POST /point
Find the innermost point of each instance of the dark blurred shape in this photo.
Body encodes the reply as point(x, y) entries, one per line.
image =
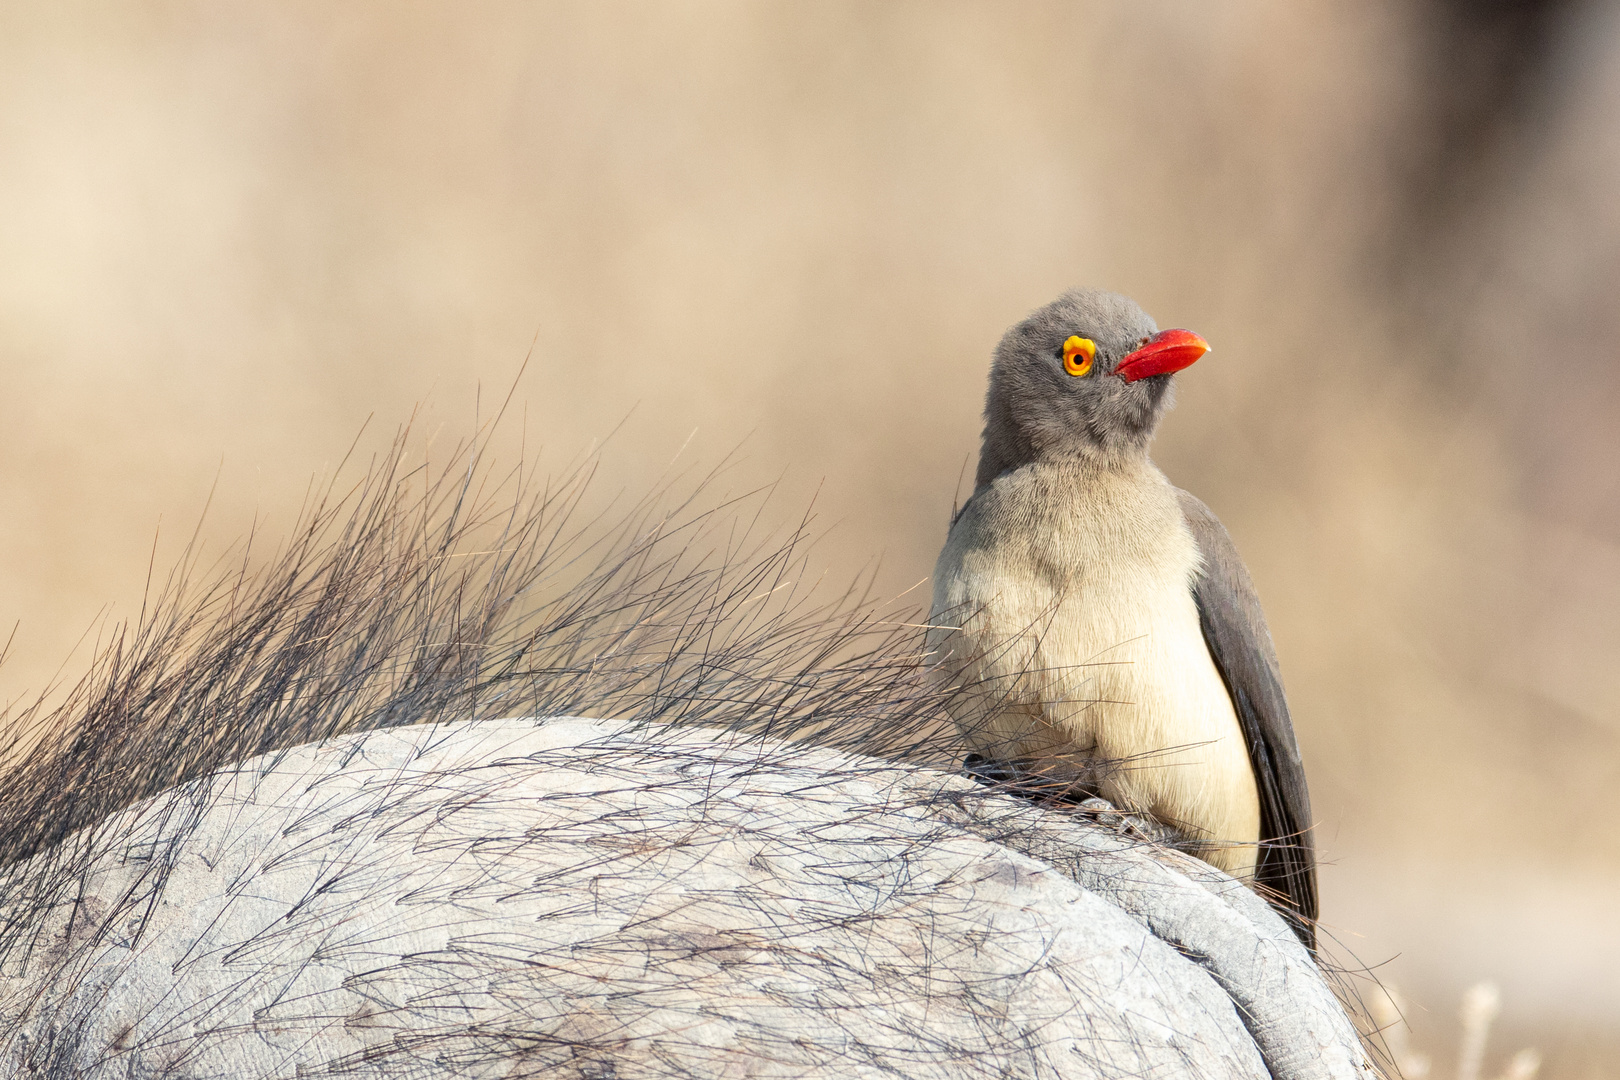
point(1489, 66)
point(1488, 139)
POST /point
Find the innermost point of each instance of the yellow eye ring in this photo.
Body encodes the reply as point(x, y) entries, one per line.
point(1078, 353)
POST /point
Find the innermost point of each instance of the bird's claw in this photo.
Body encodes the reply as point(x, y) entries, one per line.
point(1138, 826)
point(1018, 780)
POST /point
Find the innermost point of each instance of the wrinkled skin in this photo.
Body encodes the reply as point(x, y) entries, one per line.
point(579, 899)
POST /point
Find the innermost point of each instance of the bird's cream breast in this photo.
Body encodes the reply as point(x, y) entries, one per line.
point(1063, 603)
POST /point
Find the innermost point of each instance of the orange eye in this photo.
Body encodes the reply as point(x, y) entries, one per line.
point(1078, 352)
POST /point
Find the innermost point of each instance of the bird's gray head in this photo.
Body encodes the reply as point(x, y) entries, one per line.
point(1085, 377)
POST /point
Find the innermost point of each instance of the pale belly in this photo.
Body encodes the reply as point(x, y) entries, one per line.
point(1091, 663)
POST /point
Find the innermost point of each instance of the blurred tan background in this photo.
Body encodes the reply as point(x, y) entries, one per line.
point(230, 232)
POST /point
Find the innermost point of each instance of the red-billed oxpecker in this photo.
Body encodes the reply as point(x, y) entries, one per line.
point(1104, 635)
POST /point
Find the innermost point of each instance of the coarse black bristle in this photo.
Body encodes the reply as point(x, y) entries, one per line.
point(455, 592)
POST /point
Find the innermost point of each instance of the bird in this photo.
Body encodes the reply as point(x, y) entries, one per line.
point(1099, 632)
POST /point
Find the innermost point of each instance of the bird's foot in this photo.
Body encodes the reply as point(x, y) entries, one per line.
point(1138, 826)
point(1073, 796)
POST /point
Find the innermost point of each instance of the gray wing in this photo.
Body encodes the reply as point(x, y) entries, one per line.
point(1235, 631)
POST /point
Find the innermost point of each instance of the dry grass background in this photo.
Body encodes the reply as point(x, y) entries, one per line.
point(230, 232)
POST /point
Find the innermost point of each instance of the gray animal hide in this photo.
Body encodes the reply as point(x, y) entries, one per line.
point(576, 898)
